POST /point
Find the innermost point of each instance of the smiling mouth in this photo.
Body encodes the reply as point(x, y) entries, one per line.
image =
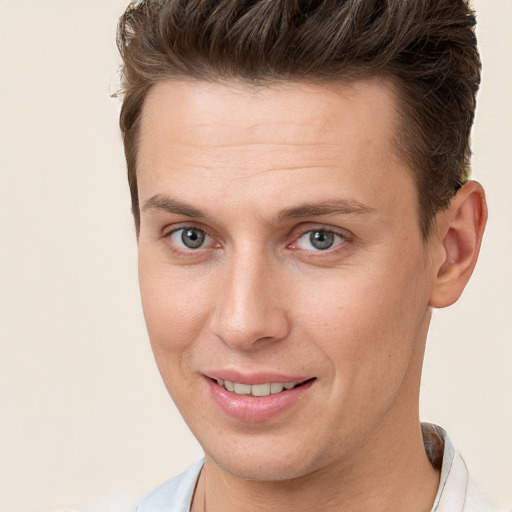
point(269, 388)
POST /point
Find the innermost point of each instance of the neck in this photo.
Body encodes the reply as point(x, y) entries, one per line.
point(392, 473)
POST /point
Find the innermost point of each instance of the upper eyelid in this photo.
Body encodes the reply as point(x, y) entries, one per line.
point(304, 229)
point(322, 231)
point(341, 242)
point(168, 230)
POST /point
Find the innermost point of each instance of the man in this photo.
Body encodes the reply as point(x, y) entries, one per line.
point(298, 173)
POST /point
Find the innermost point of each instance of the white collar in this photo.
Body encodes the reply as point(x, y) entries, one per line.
point(453, 483)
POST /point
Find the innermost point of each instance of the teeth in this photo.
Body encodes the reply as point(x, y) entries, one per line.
point(242, 389)
point(276, 387)
point(256, 389)
point(260, 389)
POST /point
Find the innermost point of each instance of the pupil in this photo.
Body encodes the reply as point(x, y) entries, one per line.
point(192, 238)
point(321, 239)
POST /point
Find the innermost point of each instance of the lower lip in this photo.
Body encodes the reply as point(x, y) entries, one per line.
point(256, 409)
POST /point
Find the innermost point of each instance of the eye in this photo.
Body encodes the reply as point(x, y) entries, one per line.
point(319, 240)
point(189, 238)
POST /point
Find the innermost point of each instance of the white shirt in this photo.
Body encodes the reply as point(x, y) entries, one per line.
point(456, 491)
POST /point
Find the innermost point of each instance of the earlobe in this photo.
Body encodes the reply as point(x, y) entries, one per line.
point(461, 231)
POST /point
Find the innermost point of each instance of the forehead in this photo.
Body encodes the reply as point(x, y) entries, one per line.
point(281, 143)
point(292, 113)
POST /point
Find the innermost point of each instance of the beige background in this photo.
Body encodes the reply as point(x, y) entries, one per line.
point(85, 423)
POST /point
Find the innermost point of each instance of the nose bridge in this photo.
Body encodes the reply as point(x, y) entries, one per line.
point(248, 310)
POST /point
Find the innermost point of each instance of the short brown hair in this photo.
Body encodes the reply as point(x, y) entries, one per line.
point(425, 48)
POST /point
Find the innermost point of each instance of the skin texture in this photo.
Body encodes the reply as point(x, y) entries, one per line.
point(249, 168)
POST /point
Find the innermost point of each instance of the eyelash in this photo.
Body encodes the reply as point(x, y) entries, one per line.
point(344, 237)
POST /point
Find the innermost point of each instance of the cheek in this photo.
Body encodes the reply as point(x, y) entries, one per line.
point(174, 309)
point(367, 323)
point(174, 318)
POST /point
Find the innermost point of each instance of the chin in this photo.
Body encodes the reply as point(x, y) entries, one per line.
point(274, 472)
point(265, 465)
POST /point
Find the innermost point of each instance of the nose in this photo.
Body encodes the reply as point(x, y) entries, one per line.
point(250, 307)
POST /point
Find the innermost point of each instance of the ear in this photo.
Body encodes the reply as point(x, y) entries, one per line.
point(459, 232)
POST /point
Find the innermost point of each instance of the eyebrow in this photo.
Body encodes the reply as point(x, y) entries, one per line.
point(170, 205)
point(329, 207)
point(323, 208)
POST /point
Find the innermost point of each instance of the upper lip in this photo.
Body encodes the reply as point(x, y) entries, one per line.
point(255, 377)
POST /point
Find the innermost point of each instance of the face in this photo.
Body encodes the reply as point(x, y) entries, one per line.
point(280, 244)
